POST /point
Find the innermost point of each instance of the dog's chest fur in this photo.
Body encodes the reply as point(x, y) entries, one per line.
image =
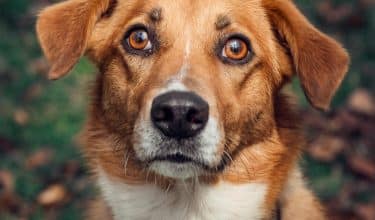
point(222, 201)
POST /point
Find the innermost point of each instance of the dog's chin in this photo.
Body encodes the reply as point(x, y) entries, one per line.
point(178, 158)
point(176, 170)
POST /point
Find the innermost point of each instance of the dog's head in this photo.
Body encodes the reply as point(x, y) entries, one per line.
point(188, 85)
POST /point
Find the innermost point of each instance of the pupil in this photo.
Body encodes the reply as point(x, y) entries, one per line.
point(235, 46)
point(140, 36)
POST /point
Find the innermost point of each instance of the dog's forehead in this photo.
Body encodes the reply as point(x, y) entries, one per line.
point(196, 19)
point(196, 13)
point(207, 10)
point(189, 24)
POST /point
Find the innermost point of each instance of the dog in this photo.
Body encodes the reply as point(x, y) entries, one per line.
point(188, 118)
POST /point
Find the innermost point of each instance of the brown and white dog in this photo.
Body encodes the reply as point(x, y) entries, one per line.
point(187, 118)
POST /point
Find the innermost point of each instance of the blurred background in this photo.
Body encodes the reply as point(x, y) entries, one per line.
point(42, 175)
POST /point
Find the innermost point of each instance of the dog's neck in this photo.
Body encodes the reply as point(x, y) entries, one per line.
point(184, 201)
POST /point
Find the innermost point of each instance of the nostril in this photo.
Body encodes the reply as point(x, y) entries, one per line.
point(191, 116)
point(163, 114)
point(194, 116)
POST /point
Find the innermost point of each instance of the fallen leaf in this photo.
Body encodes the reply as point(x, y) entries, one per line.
point(362, 166)
point(39, 158)
point(21, 117)
point(326, 148)
point(53, 195)
point(361, 101)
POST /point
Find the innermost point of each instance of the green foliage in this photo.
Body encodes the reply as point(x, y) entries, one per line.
point(54, 110)
point(325, 179)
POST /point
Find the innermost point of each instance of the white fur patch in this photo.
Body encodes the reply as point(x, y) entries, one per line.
point(174, 170)
point(150, 142)
point(173, 85)
point(191, 201)
point(185, 66)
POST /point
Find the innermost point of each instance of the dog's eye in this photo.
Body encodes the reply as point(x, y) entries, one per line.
point(139, 40)
point(235, 50)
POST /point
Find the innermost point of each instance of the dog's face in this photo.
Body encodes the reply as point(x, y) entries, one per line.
point(187, 86)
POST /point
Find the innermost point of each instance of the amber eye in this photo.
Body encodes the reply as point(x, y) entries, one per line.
point(235, 49)
point(139, 40)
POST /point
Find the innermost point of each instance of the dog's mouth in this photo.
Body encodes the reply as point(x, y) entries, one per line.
point(182, 159)
point(177, 165)
point(178, 158)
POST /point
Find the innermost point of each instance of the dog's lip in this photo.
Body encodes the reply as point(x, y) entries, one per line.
point(174, 158)
point(180, 158)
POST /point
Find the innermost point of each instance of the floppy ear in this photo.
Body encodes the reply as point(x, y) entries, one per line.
point(319, 61)
point(64, 30)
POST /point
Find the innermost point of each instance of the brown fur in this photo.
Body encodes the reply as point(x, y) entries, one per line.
point(259, 123)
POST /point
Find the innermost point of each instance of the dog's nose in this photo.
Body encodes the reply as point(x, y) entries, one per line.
point(179, 114)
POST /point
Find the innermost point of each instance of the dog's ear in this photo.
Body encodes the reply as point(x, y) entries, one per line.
point(64, 30)
point(319, 61)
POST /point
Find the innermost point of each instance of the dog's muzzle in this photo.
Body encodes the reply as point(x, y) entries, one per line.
point(178, 138)
point(179, 115)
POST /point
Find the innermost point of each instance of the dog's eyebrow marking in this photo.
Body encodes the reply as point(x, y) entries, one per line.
point(155, 15)
point(110, 10)
point(222, 22)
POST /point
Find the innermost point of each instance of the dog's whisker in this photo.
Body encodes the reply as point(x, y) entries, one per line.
point(247, 165)
point(228, 155)
point(126, 163)
point(168, 188)
point(185, 185)
point(147, 175)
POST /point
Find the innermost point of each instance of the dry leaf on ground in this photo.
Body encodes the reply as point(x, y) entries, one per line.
point(53, 195)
